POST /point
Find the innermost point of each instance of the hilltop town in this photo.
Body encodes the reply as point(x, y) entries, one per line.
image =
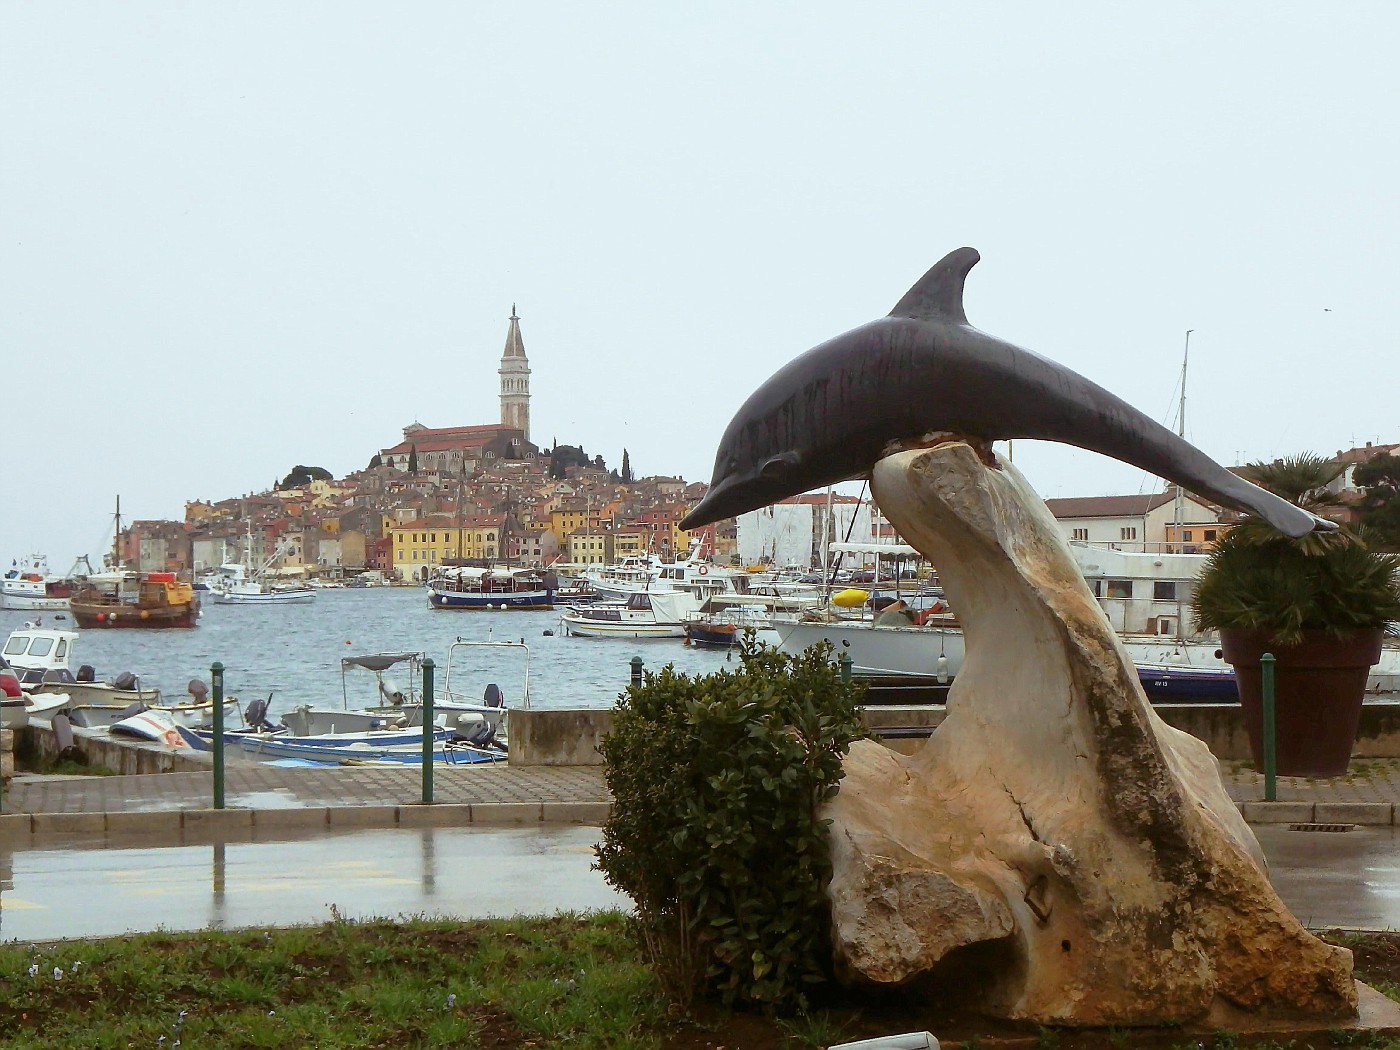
point(469, 493)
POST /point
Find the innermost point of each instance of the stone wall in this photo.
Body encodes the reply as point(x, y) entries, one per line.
point(567, 738)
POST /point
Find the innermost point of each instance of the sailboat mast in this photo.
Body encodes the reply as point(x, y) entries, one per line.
point(117, 538)
point(1181, 432)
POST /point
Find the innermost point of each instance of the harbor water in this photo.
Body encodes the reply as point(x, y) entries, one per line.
point(293, 652)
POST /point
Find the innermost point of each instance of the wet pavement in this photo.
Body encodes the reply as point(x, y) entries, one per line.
point(503, 840)
point(63, 886)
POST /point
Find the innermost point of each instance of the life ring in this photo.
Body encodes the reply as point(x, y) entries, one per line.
point(173, 738)
point(704, 570)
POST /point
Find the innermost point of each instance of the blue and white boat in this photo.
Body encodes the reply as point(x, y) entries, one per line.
point(396, 746)
point(474, 588)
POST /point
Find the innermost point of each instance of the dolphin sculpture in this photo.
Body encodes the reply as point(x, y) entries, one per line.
point(832, 413)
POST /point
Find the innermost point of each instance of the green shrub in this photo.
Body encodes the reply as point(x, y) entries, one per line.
point(714, 831)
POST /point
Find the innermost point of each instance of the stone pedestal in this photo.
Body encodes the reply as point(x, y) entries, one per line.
point(1054, 843)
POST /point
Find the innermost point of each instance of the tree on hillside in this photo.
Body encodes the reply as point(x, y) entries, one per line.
point(1379, 481)
point(627, 478)
point(566, 456)
point(413, 458)
point(374, 461)
point(304, 475)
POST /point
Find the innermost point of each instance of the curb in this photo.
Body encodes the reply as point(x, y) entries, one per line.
point(1370, 814)
point(235, 820)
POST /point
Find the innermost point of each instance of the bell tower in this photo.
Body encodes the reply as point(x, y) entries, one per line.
point(515, 380)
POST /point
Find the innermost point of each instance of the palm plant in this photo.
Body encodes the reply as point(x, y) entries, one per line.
point(1259, 579)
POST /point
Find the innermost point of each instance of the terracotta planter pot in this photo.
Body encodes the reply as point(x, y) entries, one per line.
point(1319, 685)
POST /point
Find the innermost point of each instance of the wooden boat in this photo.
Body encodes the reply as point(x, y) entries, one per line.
point(149, 600)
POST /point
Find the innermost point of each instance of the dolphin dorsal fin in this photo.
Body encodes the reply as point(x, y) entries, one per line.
point(938, 294)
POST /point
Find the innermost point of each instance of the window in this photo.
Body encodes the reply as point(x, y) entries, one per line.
point(1081, 534)
point(1186, 535)
point(1119, 588)
point(1209, 535)
point(1127, 534)
point(1164, 590)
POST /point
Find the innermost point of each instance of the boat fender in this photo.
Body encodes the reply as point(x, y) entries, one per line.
point(548, 633)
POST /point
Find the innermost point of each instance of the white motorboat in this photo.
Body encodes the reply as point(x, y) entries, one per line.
point(934, 650)
point(645, 614)
point(32, 586)
point(42, 658)
point(35, 651)
point(44, 706)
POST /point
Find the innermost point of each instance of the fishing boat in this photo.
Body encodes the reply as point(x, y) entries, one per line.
point(474, 588)
point(141, 600)
point(234, 585)
point(244, 583)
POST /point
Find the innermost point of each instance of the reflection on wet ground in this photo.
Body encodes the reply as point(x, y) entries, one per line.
point(61, 887)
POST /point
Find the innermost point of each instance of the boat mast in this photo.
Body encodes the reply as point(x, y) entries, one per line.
point(117, 537)
point(1181, 432)
point(1180, 492)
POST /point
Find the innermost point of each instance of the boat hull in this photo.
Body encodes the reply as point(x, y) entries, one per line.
point(466, 600)
point(637, 629)
point(711, 636)
point(103, 615)
point(297, 597)
point(882, 650)
point(31, 602)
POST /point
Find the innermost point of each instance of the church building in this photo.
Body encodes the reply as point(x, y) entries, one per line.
point(460, 450)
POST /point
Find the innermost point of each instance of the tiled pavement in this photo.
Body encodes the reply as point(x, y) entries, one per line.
point(271, 787)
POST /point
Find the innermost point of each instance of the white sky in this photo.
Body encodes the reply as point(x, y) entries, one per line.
point(235, 237)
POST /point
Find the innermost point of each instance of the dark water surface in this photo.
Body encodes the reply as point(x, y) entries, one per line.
point(294, 651)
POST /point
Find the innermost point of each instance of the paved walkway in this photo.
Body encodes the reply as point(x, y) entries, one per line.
point(270, 787)
point(1373, 782)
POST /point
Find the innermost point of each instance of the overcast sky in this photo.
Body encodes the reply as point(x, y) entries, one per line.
point(242, 236)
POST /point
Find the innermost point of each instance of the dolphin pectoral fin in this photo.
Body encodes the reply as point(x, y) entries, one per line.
point(938, 294)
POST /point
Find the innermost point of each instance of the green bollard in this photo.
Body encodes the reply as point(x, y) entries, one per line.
point(636, 670)
point(1266, 669)
point(846, 663)
point(428, 666)
point(216, 679)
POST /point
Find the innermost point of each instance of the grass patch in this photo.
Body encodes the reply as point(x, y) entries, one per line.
point(566, 981)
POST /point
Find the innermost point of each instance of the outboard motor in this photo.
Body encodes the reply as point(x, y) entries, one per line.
point(481, 735)
point(198, 690)
point(125, 680)
point(255, 715)
point(493, 697)
point(86, 673)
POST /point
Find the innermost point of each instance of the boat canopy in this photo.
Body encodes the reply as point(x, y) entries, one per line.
point(379, 661)
point(899, 549)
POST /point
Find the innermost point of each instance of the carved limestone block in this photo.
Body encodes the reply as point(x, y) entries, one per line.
point(1053, 819)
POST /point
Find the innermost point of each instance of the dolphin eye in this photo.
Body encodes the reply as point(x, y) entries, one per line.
point(775, 468)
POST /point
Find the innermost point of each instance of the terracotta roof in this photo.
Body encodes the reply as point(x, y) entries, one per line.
point(1361, 455)
point(1108, 506)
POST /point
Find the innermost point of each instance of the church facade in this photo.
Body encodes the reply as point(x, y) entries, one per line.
point(460, 450)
